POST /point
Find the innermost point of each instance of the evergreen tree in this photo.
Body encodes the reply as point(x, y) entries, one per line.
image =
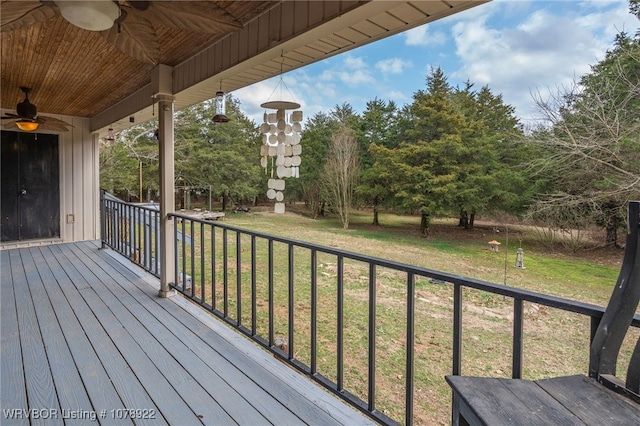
point(225, 156)
point(378, 125)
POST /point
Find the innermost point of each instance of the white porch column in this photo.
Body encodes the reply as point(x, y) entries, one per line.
point(167, 195)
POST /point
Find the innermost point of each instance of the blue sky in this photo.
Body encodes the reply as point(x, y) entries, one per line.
point(516, 47)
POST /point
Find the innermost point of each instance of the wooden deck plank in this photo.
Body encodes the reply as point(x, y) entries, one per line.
point(245, 394)
point(13, 395)
point(200, 402)
point(304, 398)
point(73, 399)
point(97, 384)
point(287, 386)
point(131, 392)
point(167, 399)
point(41, 393)
point(109, 342)
point(222, 389)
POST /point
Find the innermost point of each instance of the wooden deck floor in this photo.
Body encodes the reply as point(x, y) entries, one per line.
point(84, 336)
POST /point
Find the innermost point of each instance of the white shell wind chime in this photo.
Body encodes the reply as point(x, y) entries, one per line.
point(281, 149)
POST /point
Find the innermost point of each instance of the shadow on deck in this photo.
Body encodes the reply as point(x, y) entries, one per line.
point(84, 335)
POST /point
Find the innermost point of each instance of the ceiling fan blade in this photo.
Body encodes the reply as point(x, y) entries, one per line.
point(140, 5)
point(51, 121)
point(20, 14)
point(197, 16)
point(10, 126)
point(53, 127)
point(10, 116)
point(137, 38)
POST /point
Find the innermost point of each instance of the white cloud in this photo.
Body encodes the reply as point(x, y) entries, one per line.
point(392, 65)
point(423, 36)
point(354, 63)
point(543, 51)
point(353, 71)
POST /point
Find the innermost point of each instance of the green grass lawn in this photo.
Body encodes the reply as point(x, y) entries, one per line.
point(450, 249)
point(555, 342)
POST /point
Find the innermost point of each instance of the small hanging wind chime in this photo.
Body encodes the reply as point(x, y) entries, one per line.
point(281, 149)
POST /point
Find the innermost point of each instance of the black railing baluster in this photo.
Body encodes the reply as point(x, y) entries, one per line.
point(184, 255)
point(118, 240)
point(192, 244)
point(141, 244)
point(176, 252)
point(225, 278)
point(107, 238)
point(291, 301)
point(213, 268)
point(146, 237)
point(202, 267)
point(411, 315)
point(123, 230)
point(103, 220)
point(372, 337)
point(270, 285)
point(156, 239)
point(113, 216)
point(254, 289)
point(238, 278)
point(314, 313)
point(516, 369)
point(340, 324)
point(131, 218)
point(457, 328)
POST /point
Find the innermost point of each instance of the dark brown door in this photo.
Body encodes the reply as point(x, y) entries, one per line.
point(30, 188)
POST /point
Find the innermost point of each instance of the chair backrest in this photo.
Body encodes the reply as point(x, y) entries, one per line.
point(617, 318)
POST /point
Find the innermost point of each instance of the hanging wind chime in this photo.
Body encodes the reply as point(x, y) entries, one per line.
point(281, 149)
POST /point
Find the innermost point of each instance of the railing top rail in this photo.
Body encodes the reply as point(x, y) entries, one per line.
point(137, 206)
point(502, 290)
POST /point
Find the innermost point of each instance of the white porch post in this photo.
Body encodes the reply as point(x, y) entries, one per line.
point(167, 195)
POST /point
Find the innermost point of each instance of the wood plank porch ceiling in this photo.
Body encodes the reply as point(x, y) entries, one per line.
point(75, 72)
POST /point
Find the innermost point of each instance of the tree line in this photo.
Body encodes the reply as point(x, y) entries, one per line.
point(453, 151)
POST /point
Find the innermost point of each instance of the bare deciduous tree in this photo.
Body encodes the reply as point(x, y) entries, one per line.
point(591, 143)
point(341, 173)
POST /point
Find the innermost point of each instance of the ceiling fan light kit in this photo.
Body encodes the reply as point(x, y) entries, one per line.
point(27, 125)
point(96, 15)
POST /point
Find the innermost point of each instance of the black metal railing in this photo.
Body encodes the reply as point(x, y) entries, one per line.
point(132, 230)
point(311, 305)
point(213, 272)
